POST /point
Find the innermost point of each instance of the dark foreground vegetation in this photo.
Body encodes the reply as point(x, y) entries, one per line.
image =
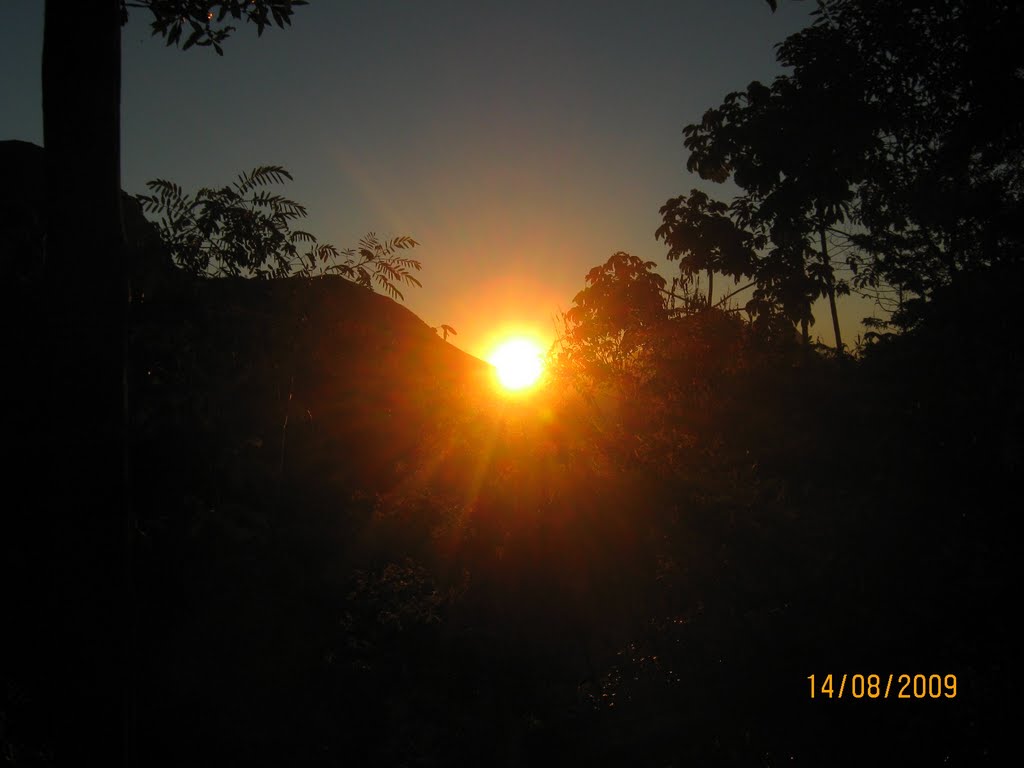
point(350, 549)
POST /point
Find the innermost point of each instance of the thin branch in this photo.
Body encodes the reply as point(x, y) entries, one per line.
point(738, 290)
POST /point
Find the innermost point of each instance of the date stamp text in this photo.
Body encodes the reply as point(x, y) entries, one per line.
point(891, 686)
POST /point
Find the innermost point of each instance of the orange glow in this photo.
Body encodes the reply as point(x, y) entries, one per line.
point(519, 363)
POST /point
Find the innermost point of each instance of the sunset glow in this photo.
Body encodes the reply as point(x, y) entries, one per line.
point(518, 363)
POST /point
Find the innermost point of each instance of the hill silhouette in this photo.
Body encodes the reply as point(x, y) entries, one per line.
point(355, 364)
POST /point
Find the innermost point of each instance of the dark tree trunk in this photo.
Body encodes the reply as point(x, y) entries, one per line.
point(77, 376)
point(711, 287)
point(830, 289)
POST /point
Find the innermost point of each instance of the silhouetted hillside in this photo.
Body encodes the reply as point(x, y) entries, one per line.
point(325, 354)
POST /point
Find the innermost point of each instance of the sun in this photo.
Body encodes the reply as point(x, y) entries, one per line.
point(518, 362)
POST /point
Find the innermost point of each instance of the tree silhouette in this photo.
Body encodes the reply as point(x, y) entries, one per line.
point(699, 232)
point(610, 329)
point(938, 155)
point(799, 182)
point(78, 526)
point(244, 230)
point(446, 330)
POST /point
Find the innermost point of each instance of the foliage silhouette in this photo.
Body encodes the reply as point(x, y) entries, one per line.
point(246, 231)
point(799, 183)
point(171, 16)
point(701, 236)
point(938, 158)
point(609, 330)
point(446, 330)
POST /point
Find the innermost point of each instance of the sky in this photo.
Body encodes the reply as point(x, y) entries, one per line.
point(520, 143)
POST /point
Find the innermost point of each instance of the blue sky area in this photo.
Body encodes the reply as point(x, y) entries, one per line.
point(520, 143)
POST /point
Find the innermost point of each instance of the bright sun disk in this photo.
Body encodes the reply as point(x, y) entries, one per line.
point(518, 363)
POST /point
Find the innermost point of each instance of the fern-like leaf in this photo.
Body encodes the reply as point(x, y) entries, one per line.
point(261, 176)
point(389, 287)
point(407, 263)
point(402, 242)
point(390, 272)
point(327, 251)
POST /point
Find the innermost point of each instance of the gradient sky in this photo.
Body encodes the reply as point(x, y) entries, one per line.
point(520, 143)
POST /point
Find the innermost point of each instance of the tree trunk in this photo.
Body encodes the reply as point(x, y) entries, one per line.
point(830, 289)
point(78, 380)
point(711, 287)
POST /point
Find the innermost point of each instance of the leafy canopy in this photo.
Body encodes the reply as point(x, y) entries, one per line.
point(205, 18)
point(700, 234)
point(939, 153)
point(608, 331)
